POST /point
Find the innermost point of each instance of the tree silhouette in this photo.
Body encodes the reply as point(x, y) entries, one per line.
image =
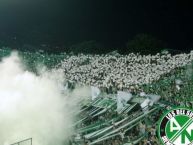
point(87, 47)
point(145, 44)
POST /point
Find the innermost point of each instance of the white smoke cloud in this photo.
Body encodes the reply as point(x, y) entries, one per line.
point(33, 106)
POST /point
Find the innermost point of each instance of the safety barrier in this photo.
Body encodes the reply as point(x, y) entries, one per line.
point(24, 142)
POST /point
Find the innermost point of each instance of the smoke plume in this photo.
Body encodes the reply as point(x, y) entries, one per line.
point(33, 106)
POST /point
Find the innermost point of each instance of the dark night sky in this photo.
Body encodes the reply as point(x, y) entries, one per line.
point(111, 22)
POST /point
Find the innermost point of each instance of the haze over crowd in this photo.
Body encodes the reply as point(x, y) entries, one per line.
point(33, 106)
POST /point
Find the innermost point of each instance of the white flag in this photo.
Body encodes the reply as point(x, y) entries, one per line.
point(153, 98)
point(145, 103)
point(95, 91)
point(122, 99)
point(149, 101)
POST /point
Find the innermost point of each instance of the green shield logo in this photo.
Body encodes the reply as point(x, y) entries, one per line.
point(176, 127)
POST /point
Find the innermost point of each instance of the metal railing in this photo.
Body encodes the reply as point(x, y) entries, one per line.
point(24, 142)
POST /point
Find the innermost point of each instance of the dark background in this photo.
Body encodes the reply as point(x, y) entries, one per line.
point(59, 24)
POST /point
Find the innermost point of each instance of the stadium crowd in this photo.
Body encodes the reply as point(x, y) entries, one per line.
point(121, 71)
point(163, 74)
